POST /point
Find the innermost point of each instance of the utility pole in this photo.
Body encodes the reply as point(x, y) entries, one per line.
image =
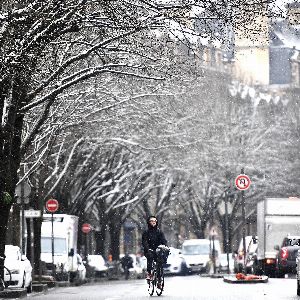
point(227, 229)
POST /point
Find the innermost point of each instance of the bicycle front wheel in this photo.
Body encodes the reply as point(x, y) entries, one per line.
point(160, 283)
point(151, 287)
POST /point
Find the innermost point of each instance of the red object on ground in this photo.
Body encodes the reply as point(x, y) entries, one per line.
point(241, 276)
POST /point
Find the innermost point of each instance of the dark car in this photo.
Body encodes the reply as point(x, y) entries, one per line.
point(287, 253)
point(298, 272)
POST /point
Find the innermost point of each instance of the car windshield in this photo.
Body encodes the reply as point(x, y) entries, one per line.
point(96, 259)
point(60, 245)
point(195, 249)
point(293, 242)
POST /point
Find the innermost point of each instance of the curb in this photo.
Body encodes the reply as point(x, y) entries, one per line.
point(232, 279)
point(14, 293)
point(62, 283)
point(39, 287)
point(50, 284)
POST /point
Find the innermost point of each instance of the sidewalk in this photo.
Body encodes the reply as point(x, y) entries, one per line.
point(13, 293)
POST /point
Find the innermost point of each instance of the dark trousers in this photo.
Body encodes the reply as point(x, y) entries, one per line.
point(150, 257)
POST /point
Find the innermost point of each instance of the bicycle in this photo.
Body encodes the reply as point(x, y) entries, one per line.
point(157, 276)
point(157, 281)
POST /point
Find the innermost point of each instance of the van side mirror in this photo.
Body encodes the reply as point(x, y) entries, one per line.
point(276, 247)
point(71, 253)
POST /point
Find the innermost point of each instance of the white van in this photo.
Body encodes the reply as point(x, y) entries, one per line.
point(197, 253)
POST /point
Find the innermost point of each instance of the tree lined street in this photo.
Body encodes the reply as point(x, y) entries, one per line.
point(119, 110)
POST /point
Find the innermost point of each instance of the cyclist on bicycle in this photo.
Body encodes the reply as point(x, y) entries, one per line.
point(151, 239)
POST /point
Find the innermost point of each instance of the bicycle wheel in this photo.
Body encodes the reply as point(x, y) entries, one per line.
point(151, 283)
point(161, 280)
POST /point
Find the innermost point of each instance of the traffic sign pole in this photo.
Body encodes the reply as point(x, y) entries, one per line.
point(243, 182)
point(52, 244)
point(86, 228)
point(52, 207)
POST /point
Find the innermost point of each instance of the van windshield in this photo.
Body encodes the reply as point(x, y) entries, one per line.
point(196, 249)
point(60, 245)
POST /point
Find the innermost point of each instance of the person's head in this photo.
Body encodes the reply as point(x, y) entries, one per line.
point(152, 222)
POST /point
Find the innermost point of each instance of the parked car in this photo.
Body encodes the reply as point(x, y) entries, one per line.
point(176, 263)
point(197, 253)
point(20, 269)
point(298, 272)
point(287, 253)
point(99, 265)
point(223, 263)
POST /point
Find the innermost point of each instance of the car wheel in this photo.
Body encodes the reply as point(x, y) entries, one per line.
point(183, 269)
point(279, 274)
point(29, 288)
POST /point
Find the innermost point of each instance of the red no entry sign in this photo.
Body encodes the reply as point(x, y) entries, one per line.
point(86, 228)
point(52, 205)
point(242, 182)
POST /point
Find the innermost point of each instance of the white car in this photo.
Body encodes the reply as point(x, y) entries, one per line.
point(98, 263)
point(20, 269)
point(176, 263)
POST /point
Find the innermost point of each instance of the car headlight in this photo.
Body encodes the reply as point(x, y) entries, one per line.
point(14, 271)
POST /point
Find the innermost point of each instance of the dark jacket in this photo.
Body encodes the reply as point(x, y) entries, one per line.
point(152, 238)
point(127, 261)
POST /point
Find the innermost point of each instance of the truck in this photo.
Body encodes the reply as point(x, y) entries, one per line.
point(276, 219)
point(65, 233)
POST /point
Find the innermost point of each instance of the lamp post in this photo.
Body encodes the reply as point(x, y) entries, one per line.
point(225, 208)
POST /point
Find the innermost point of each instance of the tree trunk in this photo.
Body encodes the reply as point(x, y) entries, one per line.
point(100, 240)
point(114, 232)
point(4, 213)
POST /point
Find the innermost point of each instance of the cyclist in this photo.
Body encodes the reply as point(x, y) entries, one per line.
point(151, 239)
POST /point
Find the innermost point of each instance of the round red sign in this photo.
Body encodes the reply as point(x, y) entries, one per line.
point(242, 182)
point(52, 205)
point(86, 228)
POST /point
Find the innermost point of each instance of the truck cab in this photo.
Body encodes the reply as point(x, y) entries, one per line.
point(65, 235)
